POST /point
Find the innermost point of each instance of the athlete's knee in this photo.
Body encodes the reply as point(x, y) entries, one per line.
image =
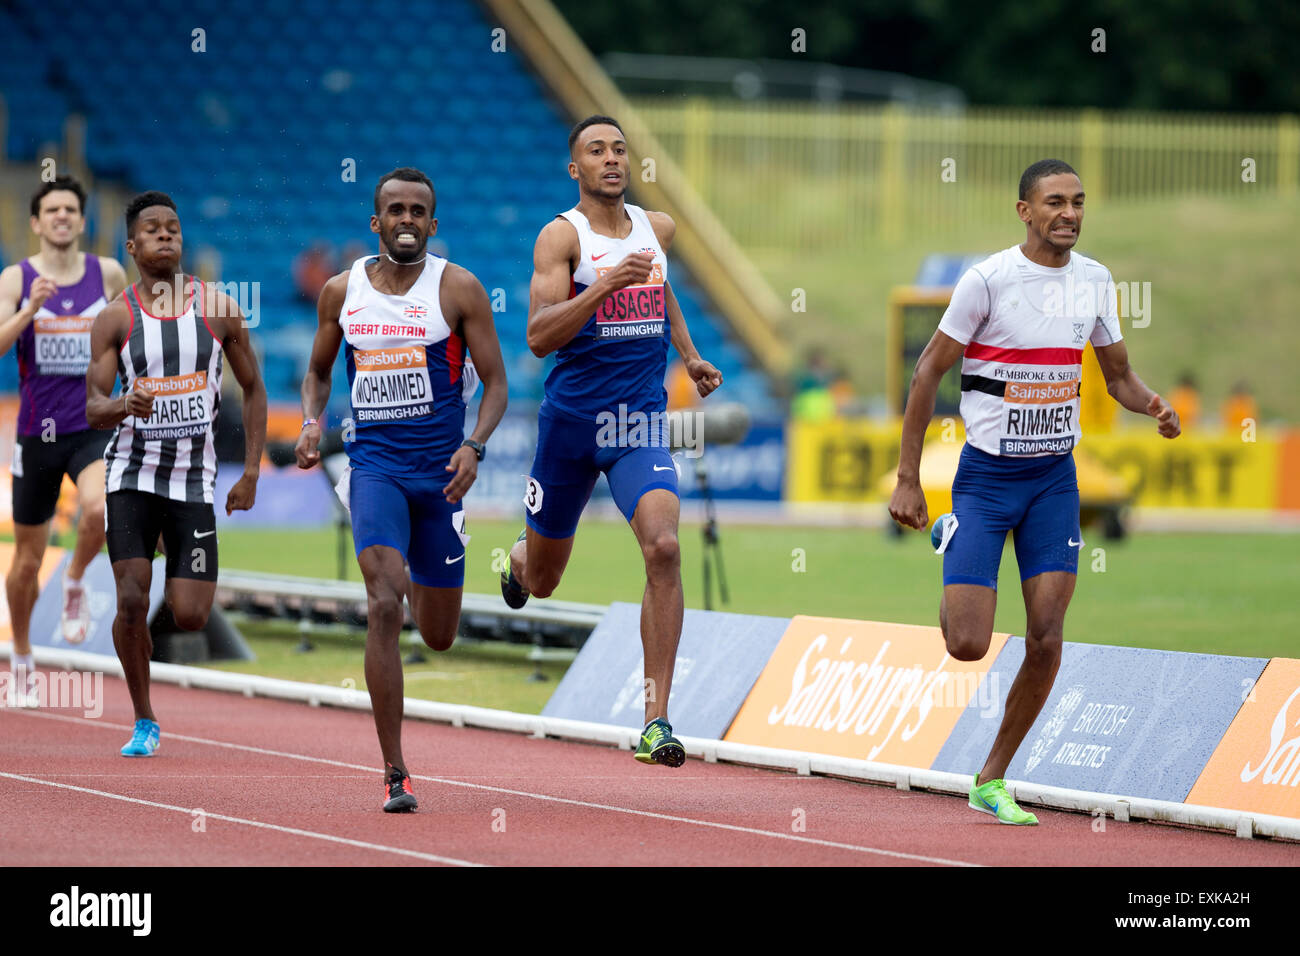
point(190, 618)
point(966, 645)
point(542, 581)
point(24, 567)
point(132, 601)
point(1044, 646)
point(662, 552)
point(385, 612)
point(439, 638)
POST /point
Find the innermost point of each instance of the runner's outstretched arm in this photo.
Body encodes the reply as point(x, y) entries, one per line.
point(907, 505)
point(1131, 392)
point(320, 367)
point(238, 346)
point(480, 335)
point(706, 377)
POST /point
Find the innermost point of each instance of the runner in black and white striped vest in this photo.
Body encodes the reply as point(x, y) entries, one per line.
point(165, 339)
point(178, 359)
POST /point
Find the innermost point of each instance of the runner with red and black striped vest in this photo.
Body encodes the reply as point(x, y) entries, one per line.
point(1019, 321)
point(165, 338)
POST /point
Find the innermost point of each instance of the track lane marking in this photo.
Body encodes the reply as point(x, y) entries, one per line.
point(735, 828)
point(189, 812)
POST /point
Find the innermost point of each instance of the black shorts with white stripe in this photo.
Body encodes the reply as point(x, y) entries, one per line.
point(135, 519)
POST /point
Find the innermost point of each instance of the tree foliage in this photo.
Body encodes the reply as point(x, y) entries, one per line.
point(1212, 55)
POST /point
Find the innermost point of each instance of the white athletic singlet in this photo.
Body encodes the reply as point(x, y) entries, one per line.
point(405, 369)
point(1025, 327)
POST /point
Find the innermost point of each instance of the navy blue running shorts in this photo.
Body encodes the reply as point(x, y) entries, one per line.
point(571, 454)
point(1037, 499)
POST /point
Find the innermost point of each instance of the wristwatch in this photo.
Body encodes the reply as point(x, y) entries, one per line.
point(479, 448)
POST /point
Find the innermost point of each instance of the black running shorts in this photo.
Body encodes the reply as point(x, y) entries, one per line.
point(39, 467)
point(135, 519)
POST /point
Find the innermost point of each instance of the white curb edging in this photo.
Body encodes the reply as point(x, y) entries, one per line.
point(1116, 806)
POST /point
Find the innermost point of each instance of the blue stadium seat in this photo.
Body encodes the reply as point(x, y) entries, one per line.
point(252, 144)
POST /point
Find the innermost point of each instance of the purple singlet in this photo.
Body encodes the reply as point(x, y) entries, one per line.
point(54, 352)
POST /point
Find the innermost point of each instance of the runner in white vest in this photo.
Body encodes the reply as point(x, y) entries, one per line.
point(1019, 322)
point(405, 320)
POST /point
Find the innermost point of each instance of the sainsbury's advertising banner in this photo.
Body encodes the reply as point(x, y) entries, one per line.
point(883, 692)
point(1257, 766)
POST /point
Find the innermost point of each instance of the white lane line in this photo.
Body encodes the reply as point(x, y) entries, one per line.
point(752, 831)
point(189, 812)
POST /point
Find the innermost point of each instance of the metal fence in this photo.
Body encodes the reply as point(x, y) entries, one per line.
point(813, 175)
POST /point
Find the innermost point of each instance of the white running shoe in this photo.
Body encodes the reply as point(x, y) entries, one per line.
point(76, 614)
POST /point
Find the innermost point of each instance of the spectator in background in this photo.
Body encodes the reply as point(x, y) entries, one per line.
point(1186, 400)
point(312, 268)
point(843, 394)
point(1239, 406)
point(813, 400)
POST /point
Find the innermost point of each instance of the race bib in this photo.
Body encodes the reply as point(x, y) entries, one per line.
point(62, 344)
point(180, 407)
point(1039, 417)
point(391, 384)
point(634, 312)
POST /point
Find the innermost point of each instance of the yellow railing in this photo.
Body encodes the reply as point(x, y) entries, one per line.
point(805, 175)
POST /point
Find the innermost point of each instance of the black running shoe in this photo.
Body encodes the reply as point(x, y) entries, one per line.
point(398, 797)
point(515, 594)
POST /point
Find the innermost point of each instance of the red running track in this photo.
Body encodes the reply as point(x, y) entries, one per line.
point(281, 783)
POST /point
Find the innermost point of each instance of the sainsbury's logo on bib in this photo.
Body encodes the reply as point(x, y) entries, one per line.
point(391, 384)
point(180, 406)
point(62, 344)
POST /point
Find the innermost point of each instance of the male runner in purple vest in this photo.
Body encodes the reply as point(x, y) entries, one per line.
point(47, 305)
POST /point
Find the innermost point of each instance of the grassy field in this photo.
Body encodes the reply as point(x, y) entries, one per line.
point(1222, 276)
point(1210, 593)
point(485, 674)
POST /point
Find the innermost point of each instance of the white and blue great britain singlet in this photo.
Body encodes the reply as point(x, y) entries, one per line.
point(620, 355)
point(178, 359)
point(404, 374)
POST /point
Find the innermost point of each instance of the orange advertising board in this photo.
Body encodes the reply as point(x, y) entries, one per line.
point(1256, 766)
point(883, 692)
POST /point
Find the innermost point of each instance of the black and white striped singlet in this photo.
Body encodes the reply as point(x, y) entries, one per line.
point(178, 359)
